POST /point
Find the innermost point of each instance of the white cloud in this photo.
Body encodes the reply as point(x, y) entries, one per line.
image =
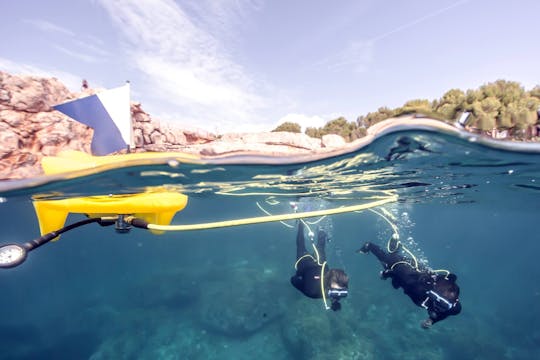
point(222, 18)
point(82, 46)
point(71, 81)
point(303, 120)
point(92, 45)
point(418, 20)
point(357, 56)
point(78, 55)
point(185, 63)
point(49, 27)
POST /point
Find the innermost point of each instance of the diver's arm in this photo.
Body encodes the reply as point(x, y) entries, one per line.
point(435, 317)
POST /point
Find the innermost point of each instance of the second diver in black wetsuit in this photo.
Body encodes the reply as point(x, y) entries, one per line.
point(405, 145)
point(313, 277)
point(437, 293)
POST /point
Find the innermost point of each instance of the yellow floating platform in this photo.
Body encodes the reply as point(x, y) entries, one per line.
point(71, 160)
point(154, 206)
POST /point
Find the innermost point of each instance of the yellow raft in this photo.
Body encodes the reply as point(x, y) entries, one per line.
point(71, 160)
point(156, 206)
point(153, 207)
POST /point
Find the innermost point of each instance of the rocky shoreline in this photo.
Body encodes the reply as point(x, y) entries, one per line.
point(31, 129)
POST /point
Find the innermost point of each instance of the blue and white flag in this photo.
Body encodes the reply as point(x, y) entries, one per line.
point(109, 114)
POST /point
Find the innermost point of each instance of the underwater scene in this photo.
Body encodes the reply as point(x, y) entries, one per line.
point(224, 291)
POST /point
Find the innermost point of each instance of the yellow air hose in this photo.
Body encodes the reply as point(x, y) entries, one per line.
point(261, 219)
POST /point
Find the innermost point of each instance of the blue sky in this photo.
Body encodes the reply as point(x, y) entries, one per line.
point(247, 65)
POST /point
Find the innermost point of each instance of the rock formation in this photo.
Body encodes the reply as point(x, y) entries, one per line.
point(30, 129)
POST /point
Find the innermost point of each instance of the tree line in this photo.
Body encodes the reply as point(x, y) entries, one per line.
point(494, 107)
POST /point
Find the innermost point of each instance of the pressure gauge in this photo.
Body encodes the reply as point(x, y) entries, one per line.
point(12, 255)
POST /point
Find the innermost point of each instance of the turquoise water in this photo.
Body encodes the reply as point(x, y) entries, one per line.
point(225, 293)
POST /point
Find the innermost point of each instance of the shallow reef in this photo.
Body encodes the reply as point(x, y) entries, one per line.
point(240, 302)
point(243, 312)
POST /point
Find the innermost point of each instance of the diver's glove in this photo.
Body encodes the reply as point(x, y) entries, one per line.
point(426, 324)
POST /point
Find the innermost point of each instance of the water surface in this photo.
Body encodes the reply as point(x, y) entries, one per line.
point(462, 205)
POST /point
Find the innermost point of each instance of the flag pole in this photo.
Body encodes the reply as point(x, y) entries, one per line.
point(130, 119)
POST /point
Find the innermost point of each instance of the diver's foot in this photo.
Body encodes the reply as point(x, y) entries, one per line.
point(364, 249)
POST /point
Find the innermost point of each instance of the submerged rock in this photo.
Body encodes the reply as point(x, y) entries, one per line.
point(310, 332)
point(223, 323)
point(167, 340)
point(163, 291)
point(241, 302)
point(179, 339)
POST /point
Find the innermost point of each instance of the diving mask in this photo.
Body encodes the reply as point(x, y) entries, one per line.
point(336, 294)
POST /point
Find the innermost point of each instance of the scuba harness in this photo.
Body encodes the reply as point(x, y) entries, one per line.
point(440, 304)
point(334, 294)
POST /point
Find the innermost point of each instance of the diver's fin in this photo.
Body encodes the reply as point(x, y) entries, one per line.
point(364, 249)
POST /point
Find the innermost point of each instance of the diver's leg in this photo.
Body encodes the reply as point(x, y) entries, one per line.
point(300, 244)
point(385, 258)
point(321, 245)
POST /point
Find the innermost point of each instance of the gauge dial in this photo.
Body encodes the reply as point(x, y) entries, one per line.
point(12, 255)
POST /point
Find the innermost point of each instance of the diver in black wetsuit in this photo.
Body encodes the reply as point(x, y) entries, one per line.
point(405, 145)
point(310, 268)
point(437, 293)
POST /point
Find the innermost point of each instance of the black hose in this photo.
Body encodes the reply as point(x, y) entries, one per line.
point(139, 223)
point(31, 245)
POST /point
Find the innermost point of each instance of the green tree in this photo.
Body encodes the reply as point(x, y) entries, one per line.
point(507, 116)
point(381, 114)
point(313, 132)
point(519, 114)
point(526, 112)
point(506, 91)
point(288, 126)
point(452, 102)
point(480, 119)
point(471, 96)
point(340, 126)
point(358, 133)
point(498, 105)
point(484, 121)
point(535, 92)
point(491, 106)
point(361, 121)
point(416, 106)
